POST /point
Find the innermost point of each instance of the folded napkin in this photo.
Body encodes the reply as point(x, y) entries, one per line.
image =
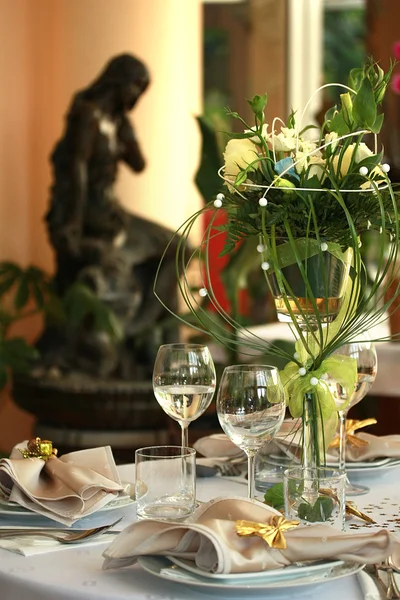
point(64, 489)
point(211, 541)
point(384, 446)
point(219, 447)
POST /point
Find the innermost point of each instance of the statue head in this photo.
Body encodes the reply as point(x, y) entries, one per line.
point(125, 76)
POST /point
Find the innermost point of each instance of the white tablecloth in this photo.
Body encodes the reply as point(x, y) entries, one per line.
point(76, 573)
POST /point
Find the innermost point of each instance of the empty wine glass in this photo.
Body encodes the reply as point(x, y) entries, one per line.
point(250, 408)
point(184, 382)
point(363, 351)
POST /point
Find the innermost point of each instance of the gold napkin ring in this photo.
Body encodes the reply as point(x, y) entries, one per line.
point(38, 448)
point(272, 533)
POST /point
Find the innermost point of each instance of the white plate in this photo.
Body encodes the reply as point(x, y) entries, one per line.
point(282, 574)
point(11, 509)
point(165, 569)
point(352, 467)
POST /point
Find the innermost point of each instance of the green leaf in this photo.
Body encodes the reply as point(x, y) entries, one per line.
point(377, 126)
point(364, 107)
point(207, 178)
point(22, 295)
point(274, 496)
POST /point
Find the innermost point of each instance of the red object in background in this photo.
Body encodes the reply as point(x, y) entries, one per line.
point(396, 84)
point(217, 264)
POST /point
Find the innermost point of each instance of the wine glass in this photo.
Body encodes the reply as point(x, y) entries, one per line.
point(184, 382)
point(363, 351)
point(250, 408)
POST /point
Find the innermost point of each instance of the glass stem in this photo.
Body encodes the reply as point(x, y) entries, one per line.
point(250, 475)
point(185, 434)
point(342, 439)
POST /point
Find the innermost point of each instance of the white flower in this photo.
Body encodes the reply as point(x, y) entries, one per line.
point(317, 167)
point(255, 138)
point(285, 141)
point(332, 139)
point(300, 161)
point(238, 154)
point(309, 147)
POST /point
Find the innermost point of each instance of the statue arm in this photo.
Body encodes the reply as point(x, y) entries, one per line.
point(131, 153)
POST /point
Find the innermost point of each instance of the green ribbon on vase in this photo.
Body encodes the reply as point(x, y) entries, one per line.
point(298, 381)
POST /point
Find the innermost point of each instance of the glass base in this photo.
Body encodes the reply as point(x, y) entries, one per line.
point(268, 476)
point(355, 490)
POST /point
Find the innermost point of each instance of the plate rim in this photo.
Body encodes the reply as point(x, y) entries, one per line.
point(250, 585)
point(20, 511)
point(254, 575)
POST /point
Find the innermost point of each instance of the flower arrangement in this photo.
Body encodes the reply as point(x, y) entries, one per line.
point(306, 195)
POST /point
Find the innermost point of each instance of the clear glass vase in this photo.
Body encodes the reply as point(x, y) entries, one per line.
point(314, 295)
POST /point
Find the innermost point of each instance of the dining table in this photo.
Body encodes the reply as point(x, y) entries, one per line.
point(76, 572)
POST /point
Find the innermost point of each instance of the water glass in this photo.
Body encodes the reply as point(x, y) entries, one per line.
point(315, 496)
point(165, 482)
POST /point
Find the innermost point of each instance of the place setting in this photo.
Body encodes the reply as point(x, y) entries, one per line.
point(47, 502)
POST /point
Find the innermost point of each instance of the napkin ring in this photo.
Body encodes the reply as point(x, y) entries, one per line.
point(271, 533)
point(38, 448)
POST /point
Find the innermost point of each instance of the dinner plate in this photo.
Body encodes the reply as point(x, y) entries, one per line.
point(282, 574)
point(162, 567)
point(13, 509)
point(353, 467)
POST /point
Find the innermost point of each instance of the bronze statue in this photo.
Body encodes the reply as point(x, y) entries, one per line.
point(96, 241)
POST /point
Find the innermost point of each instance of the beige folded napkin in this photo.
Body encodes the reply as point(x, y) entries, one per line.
point(384, 446)
point(210, 540)
point(64, 489)
point(219, 447)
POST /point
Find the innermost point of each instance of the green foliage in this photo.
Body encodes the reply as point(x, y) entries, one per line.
point(25, 292)
point(320, 511)
point(274, 496)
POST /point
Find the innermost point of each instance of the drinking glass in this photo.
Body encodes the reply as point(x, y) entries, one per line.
point(250, 408)
point(184, 382)
point(363, 351)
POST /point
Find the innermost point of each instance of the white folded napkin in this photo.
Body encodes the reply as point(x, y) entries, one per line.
point(369, 587)
point(64, 489)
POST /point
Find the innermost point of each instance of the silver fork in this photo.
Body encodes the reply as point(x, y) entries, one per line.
point(228, 469)
point(62, 536)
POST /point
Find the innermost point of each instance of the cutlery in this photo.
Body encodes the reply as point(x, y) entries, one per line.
point(392, 590)
point(60, 535)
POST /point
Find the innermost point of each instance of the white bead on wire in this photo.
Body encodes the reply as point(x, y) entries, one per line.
point(363, 171)
point(263, 201)
point(324, 246)
point(217, 203)
point(302, 371)
point(260, 248)
point(203, 292)
point(385, 168)
point(265, 266)
point(313, 381)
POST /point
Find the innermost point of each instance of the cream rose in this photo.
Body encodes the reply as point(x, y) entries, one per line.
point(238, 155)
point(359, 152)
